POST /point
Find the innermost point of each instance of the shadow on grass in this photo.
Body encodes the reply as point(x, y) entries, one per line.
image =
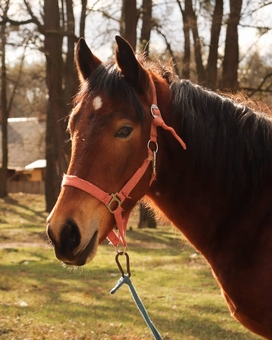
point(56, 296)
point(31, 212)
point(200, 328)
point(160, 238)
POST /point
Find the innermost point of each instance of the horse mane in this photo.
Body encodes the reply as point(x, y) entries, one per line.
point(228, 139)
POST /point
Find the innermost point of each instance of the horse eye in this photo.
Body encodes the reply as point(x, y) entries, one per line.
point(124, 132)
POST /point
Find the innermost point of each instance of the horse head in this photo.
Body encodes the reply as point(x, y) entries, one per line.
point(110, 130)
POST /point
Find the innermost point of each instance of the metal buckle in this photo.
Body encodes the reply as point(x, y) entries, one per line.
point(114, 198)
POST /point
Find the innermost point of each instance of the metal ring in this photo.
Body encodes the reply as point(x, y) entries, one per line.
point(124, 250)
point(156, 146)
point(155, 107)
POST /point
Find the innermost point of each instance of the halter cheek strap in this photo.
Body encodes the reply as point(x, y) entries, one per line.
point(114, 201)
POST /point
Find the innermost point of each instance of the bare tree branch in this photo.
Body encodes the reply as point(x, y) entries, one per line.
point(17, 82)
point(168, 46)
point(259, 88)
point(15, 22)
point(267, 3)
point(35, 20)
point(265, 29)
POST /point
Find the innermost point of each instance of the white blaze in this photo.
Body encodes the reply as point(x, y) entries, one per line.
point(97, 103)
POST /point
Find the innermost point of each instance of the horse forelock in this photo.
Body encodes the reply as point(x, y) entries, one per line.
point(227, 140)
point(106, 82)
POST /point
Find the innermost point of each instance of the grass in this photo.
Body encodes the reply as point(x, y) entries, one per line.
point(42, 299)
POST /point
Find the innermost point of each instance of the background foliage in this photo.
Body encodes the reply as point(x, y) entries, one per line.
point(221, 44)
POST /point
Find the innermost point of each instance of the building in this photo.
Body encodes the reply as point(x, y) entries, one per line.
point(26, 154)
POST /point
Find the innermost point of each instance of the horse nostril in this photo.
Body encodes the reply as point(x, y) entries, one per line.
point(65, 239)
point(69, 236)
point(50, 235)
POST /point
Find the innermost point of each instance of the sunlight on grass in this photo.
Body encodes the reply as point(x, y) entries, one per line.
point(42, 299)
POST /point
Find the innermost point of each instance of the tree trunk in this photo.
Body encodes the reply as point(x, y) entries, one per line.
point(187, 48)
point(169, 48)
point(146, 26)
point(82, 18)
point(231, 58)
point(187, 43)
point(128, 25)
point(4, 116)
point(211, 70)
point(57, 161)
point(128, 29)
point(146, 219)
point(70, 77)
point(192, 20)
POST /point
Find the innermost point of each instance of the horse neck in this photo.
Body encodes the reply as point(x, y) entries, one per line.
point(198, 208)
point(190, 199)
point(191, 206)
point(178, 192)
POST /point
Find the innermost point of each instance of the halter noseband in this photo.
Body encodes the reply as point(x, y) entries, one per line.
point(114, 201)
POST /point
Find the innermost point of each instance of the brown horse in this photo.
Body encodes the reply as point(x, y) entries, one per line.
point(217, 191)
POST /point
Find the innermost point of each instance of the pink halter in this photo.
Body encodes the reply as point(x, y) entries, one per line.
point(114, 201)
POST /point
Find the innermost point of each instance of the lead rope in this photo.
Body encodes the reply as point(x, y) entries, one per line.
point(125, 278)
point(110, 200)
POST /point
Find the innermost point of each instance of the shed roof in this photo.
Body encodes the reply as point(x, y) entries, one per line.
point(38, 164)
point(26, 142)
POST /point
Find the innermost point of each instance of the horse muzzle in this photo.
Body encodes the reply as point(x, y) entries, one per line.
point(69, 246)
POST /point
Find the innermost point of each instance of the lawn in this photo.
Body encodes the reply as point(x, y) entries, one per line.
point(42, 299)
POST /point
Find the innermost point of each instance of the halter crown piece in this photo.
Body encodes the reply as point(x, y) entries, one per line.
point(114, 201)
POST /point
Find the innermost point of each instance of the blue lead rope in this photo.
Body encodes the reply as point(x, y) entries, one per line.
point(125, 278)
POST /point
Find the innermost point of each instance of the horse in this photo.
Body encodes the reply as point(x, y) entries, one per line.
point(201, 158)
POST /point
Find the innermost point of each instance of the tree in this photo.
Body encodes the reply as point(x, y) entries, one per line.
point(211, 69)
point(255, 77)
point(8, 91)
point(192, 21)
point(231, 56)
point(147, 25)
point(128, 22)
point(208, 75)
point(205, 76)
point(4, 109)
point(187, 44)
point(61, 83)
point(146, 219)
point(199, 36)
point(128, 29)
point(57, 160)
point(70, 79)
point(30, 93)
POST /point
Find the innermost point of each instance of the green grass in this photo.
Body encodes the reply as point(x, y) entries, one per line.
point(42, 299)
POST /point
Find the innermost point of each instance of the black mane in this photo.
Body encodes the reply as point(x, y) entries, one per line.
point(229, 141)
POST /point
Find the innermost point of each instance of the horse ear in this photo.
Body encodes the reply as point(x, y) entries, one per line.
point(129, 65)
point(86, 62)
